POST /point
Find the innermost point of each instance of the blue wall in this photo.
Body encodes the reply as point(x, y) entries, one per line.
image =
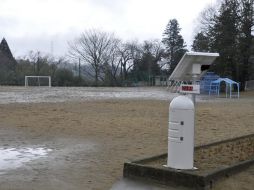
point(206, 81)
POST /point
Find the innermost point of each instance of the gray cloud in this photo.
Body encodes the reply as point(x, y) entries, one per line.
point(34, 24)
point(21, 46)
point(110, 5)
point(7, 23)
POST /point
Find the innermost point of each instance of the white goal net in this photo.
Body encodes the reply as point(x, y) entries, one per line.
point(37, 81)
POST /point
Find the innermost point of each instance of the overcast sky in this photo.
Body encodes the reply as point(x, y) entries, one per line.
point(47, 25)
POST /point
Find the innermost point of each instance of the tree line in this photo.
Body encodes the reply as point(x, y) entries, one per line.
point(227, 29)
point(98, 58)
point(110, 61)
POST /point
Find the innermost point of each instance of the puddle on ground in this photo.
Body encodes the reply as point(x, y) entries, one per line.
point(126, 184)
point(12, 158)
point(62, 94)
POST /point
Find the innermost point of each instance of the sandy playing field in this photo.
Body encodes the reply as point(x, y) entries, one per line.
point(81, 142)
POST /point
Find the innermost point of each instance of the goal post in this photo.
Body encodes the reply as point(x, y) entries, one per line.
point(38, 79)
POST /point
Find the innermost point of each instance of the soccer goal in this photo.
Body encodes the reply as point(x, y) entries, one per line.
point(37, 81)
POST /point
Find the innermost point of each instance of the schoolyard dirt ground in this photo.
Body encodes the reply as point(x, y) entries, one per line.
point(80, 143)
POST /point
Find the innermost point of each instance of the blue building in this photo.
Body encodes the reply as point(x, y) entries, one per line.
point(206, 80)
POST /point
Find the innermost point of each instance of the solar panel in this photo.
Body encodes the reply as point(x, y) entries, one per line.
point(193, 64)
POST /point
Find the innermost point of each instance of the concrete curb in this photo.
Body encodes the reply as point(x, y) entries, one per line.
point(138, 169)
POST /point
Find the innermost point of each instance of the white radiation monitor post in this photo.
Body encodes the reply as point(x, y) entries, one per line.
point(190, 69)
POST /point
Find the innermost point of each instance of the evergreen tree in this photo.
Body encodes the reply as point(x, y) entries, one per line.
point(4, 48)
point(174, 43)
point(7, 64)
point(229, 33)
point(147, 66)
point(245, 40)
point(225, 33)
point(200, 43)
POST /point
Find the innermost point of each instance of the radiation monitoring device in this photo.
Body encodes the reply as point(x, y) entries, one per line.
point(190, 69)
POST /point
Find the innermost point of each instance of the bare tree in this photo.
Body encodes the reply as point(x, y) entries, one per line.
point(207, 18)
point(43, 63)
point(155, 47)
point(112, 63)
point(94, 48)
point(128, 52)
point(35, 57)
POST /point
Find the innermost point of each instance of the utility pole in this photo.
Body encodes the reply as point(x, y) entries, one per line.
point(79, 68)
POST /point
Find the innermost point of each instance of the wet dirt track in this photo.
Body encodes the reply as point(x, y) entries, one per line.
point(85, 143)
